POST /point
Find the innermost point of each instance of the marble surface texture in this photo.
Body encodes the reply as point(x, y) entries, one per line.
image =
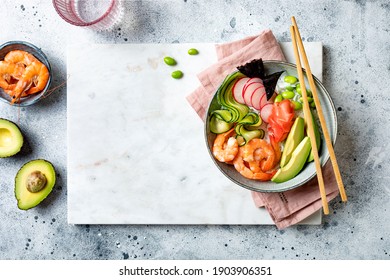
point(136, 149)
point(355, 35)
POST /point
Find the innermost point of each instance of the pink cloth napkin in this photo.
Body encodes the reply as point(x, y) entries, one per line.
point(286, 208)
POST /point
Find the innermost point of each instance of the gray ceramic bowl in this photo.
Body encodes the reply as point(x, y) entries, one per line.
point(25, 46)
point(309, 170)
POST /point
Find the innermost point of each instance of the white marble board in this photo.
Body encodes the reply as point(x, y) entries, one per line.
point(136, 150)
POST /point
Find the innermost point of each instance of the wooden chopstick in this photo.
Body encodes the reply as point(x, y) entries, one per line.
point(309, 122)
point(325, 131)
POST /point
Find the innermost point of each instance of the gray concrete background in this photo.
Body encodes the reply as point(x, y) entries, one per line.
point(356, 38)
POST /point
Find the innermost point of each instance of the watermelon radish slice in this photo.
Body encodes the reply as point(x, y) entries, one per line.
point(248, 97)
point(263, 101)
point(252, 80)
point(248, 92)
point(255, 68)
point(266, 112)
point(256, 96)
point(238, 90)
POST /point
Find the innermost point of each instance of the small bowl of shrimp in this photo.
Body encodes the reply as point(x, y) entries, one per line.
point(25, 73)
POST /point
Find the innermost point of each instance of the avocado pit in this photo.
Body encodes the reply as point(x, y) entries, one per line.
point(33, 183)
point(36, 181)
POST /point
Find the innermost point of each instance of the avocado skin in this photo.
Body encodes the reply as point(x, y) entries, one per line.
point(41, 195)
point(293, 139)
point(317, 136)
point(12, 125)
point(296, 163)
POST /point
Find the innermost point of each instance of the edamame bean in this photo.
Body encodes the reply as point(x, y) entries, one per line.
point(312, 105)
point(298, 89)
point(308, 92)
point(288, 94)
point(278, 98)
point(193, 51)
point(309, 99)
point(177, 74)
point(169, 61)
point(290, 88)
point(297, 105)
point(290, 79)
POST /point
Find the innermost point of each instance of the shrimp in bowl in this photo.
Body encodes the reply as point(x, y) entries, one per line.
point(25, 73)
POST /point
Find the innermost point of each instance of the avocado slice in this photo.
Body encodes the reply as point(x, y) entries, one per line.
point(317, 136)
point(33, 183)
point(11, 139)
point(295, 137)
point(296, 163)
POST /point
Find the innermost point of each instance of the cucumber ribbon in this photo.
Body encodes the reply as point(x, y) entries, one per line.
point(231, 112)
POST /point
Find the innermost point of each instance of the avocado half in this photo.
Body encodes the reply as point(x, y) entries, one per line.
point(317, 136)
point(11, 139)
point(33, 183)
point(295, 164)
point(295, 137)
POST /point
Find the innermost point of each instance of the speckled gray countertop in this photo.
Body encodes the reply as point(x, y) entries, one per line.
point(356, 36)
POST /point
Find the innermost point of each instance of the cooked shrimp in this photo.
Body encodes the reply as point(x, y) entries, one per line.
point(259, 154)
point(20, 57)
point(9, 74)
point(39, 79)
point(34, 79)
point(225, 146)
point(240, 166)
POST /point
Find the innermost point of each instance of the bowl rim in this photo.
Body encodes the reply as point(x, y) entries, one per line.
point(326, 156)
point(46, 62)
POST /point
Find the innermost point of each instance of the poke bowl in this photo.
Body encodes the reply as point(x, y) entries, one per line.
point(36, 54)
point(279, 72)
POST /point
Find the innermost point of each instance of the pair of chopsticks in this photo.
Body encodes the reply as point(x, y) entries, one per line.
point(297, 41)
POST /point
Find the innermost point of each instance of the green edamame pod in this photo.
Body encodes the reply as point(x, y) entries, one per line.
point(169, 61)
point(298, 89)
point(193, 52)
point(290, 88)
point(278, 98)
point(290, 79)
point(288, 94)
point(309, 99)
point(297, 105)
point(177, 74)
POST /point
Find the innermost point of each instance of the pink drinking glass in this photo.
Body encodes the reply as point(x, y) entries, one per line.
point(95, 14)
